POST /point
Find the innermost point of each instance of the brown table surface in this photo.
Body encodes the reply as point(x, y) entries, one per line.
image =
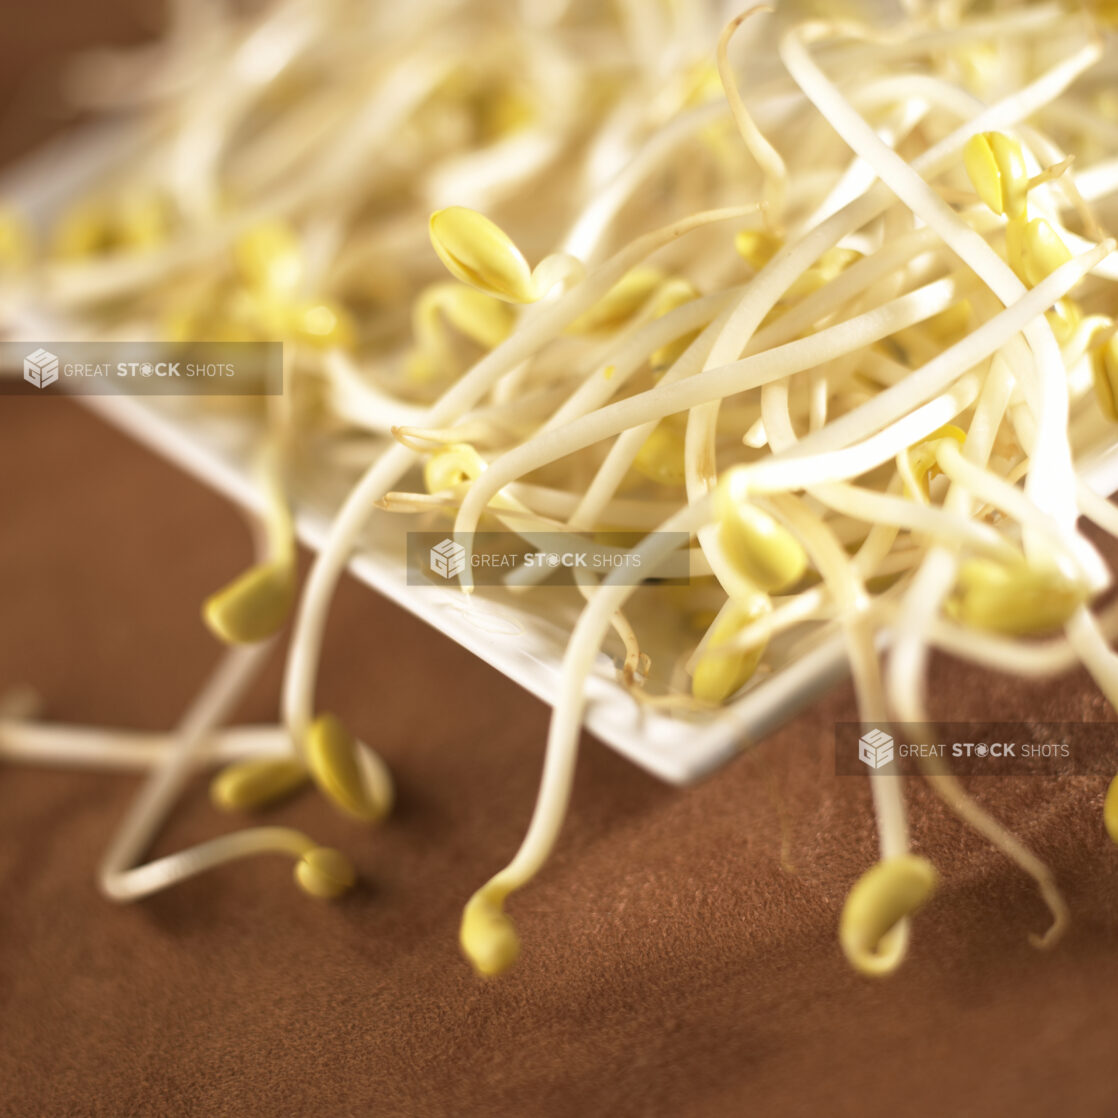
point(674, 962)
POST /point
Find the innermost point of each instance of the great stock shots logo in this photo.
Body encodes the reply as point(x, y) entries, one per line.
point(875, 748)
point(448, 559)
point(40, 368)
point(141, 368)
point(1052, 749)
point(524, 558)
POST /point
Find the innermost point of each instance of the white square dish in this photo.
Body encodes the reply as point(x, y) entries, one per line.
point(518, 635)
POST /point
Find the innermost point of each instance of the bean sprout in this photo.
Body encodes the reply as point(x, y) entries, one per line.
point(843, 317)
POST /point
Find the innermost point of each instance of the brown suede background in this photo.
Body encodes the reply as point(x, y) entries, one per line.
point(680, 953)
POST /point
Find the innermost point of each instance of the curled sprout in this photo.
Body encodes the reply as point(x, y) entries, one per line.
point(873, 929)
point(487, 935)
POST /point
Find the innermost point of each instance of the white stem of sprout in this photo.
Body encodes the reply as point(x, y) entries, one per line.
point(119, 876)
point(84, 747)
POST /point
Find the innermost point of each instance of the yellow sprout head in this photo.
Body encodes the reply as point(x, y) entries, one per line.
point(620, 303)
point(271, 268)
point(870, 929)
point(486, 321)
point(950, 325)
point(350, 775)
point(1014, 599)
point(480, 253)
point(672, 293)
point(996, 168)
point(717, 675)
point(269, 259)
point(323, 324)
point(829, 266)
point(16, 242)
point(1110, 810)
point(1104, 369)
point(324, 873)
point(1065, 318)
point(760, 548)
point(1035, 249)
point(257, 783)
point(660, 457)
point(452, 466)
point(756, 247)
point(921, 460)
point(133, 222)
point(480, 317)
point(143, 220)
point(83, 230)
point(254, 606)
point(487, 935)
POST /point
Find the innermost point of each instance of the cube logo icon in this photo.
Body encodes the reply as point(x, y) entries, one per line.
point(40, 368)
point(448, 558)
point(875, 748)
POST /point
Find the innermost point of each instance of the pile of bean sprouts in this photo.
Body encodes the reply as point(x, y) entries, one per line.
point(833, 297)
